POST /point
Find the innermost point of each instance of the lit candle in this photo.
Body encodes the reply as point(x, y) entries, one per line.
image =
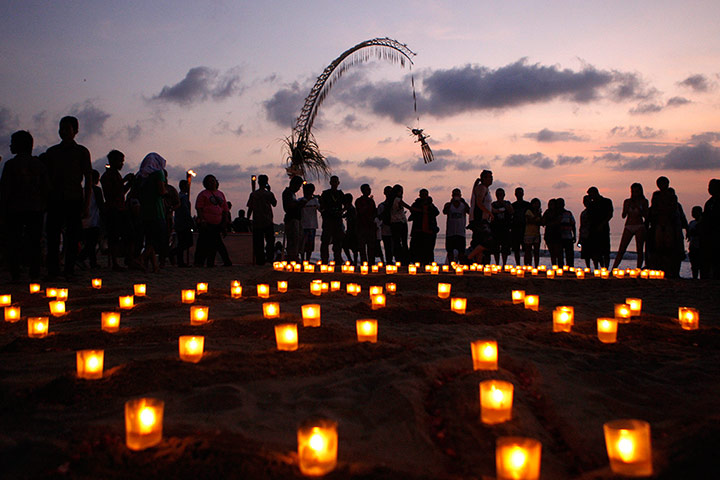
point(286, 337)
point(391, 288)
point(563, 319)
point(90, 364)
point(97, 283)
point(484, 354)
point(323, 269)
point(324, 287)
point(191, 348)
point(140, 289)
point(628, 447)
point(518, 296)
point(434, 270)
point(50, 292)
point(188, 296)
point(532, 302)
point(57, 308)
point(34, 288)
point(444, 290)
point(5, 300)
point(458, 305)
point(364, 270)
point(604, 274)
point(374, 268)
point(201, 288)
point(235, 283)
point(459, 271)
point(316, 288)
point(689, 318)
point(317, 447)
point(375, 290)
point(12, 313)
point(390, 269)
point(635, 305)
point(236, 291)
point(311, 315)
point(126, 302)
point(38, 327)
point(517, 458)
point(580, 274)
point(412, 269)
point(353, 289)
point(496, 399)
point(62, 294)
point(110, 321)
point(377, 301)
point(607, 330)
point(550, 274)
point(263, 290)
point(199, 314)
point(335, 285)
point(367, 329)
point(143, 423)
point(271, 310)
point(623, 312)
point(282, 286)
point(297, 267)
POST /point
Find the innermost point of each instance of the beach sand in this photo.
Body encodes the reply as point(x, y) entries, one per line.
point(407, 407)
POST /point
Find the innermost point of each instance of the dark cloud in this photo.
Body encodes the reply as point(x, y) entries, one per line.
point(256, 151)
point(223, 127)
point(677, 101)
point(654, 107)
point(651, 148)
point(133, 132)
point(568, 160)
point(545, 135)
point(380, 163)
point(444, 152)
point(636, 131)
point(9, 124)
point(351, 122)
point(199, 85)
point(561, 184)
point(465, 165)
point(387, 140)
point(284, 106)
point(536, 159)
point(698, 83)
point(91, 118)
point(687, 157)
point(705, 137)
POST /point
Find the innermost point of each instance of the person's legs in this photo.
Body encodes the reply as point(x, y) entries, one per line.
point(624, 242)
point(53, 228)
point(73, 232)
point(325, 238)
point(269, 233)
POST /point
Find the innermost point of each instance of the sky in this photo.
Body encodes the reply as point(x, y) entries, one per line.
point(552, 96)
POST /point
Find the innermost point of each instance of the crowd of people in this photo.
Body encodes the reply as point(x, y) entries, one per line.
point(147, 222)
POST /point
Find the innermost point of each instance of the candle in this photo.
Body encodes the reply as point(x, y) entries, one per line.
point(311, 315)
point(444, 290)
point(518, 296)
point(374, 268)
point(517, 458)
point(90, 364)
point(34, 288)
point(458, 305)
point(5, 300)
point(496, 399)
point(484, 354)
point(316, 287)
point(62, 294)
point(297, 267)
point(286, 337)
point(199, 314)
point(604, 274)
point(459, 271)
point(201, 288)
point(563, 319)
point(271, 310)
point(236, 291)
point(353, 289)
point(96, 283)
point(335, 285)
point(38, 327)
point(532, 302)
point(188, 296)
point(364, 269)
point(377, 301)
point(689, 318)
point(282, 286)
point(628, 447)
point(412, 269)
point(623, 312)
point(140, 289)
point(263, 290)
point(191, 348)
point(12, 313)
point(580, 274)
point(607, 330)
point(434, 270)
point(50, 292)
point(309, 268)
point(391, 288)
point(550, 274)
point(324, 287)
point(143, 423)
point(323, 269)
point(235, 283)
point(375, 290)
point(390, 269)
point(57, 308)
point(635, 305)
point(367, 329)
point(110, 321)
point(126, 302)
point(317, 447)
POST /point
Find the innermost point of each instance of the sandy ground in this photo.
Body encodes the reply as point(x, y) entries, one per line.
point(407, 406)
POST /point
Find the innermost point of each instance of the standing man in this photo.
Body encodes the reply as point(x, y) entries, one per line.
point(457, 211)
point(481, 216)
point(366, 226)
point(68, 165)
point(601, 211)
point(293, 211)
point(517, 230)
point(260, 209)
point(331, 209)
point(117, 217)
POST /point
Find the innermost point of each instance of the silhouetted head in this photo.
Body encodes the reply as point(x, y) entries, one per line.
point(262, 181)
point(397, 191)
point(486, 177)
point(535, 204)
point(587, 201)
point(714, 187)
point(308, 189)
point(334, 182)
point(560, 203)
point(347, 199)
point(500, 193)
point(365, 189)
point(519, 193)
point(210, 182)
point(21, 142)
point(69, 127)
point(229, 204)
point(241, 213)
point(184, 186)
point(116, 159)
point(423, 193)
point(387, 191)
point(662, 183)
point(552, 204)
point(593, 192)
point(456, 194)
point(295, 183)
point(697, 212)
point(95, 177)
point(636, 191)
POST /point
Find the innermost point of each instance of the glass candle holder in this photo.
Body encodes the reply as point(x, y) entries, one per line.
point(377, 301)
point(263, 290)
point(484, 354)
point(311, 315)
point(271, 310)
point(375, 290)
point(143, 423)
point(607, 330)
point(140, 289)
point(517, 458)
point(317, 446)
point(391, 288)
point(623, 312)
point(335, 285)
point(199, 314)
point(236, 291)
point(286, 337)
point(126, 302)
point(628, 447)
point(187, 296)
point(201, 288)
point(518, 296)
point(689, 318)
point(50, 292)
point(57, 308)
point(110, 321)
point(90, 364)
point(496, 400)
point(38, 327)
point(635, 305)
point(282, 286)
point(191, 348)
point(532, 302)
point(458, 305)
point(367, 330)
point(34, 288)
point(563, 319)
point(96, 283)
point(316, 288)
point(443, 290)
point(62, 294)
point(12, 313)
point(412, 270)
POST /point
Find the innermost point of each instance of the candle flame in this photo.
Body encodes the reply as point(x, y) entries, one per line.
point(39, 327)
point(488, 351)
point(92, 363)
point(290, 335)
point(317, 442)
point(497, 395)
point(518, 457)
point(626, 446)
point(147, 419)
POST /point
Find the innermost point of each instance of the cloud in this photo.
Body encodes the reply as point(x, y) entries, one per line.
point(568, 160)
point(92, 119)
point(284, 106)
point(677, 101)
point(387, 140)
point(349, 181)
point(223, 127)
point(698, 83)
point(545, 135)
point(642, 147)
point(351, 122)
point(561, 184)
point(224, 173)
point(199, 85)
point(380, 163)
point(686, 157)
point(9, 124)
point(133, 132)
point(443, 152)
point(705, 137)
point(536, 159)
point(654, 107)
point(636, 131)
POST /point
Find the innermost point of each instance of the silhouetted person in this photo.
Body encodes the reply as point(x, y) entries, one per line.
point(260, 209)
point(293, 211)
point(68, 166)
point(350, 240)
point(666, 222)
point(383, 222)
point(331, 209)
point(601, 211)
point(184, 225)
point(150, 193)
point(241, 224)
point(118, 224)
point(503, 214)
point(24, 188)
point(424, 228)
point(171, 201)
point(693, 238)
point(212, 210)
point(635, 212)
point(551, 222)
point(585, 239)
point(456, 211)
point(568, 234)
point(366, 226)
point(481, 216)
point(533, 220)
point(91, 223)
point(399, 224)
point(710, 232)
point(517, 230)
point(308, 221)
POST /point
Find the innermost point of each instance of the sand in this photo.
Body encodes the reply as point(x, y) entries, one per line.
point(407, 407)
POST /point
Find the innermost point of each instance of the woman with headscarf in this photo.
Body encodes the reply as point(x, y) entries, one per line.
point(150, 181)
